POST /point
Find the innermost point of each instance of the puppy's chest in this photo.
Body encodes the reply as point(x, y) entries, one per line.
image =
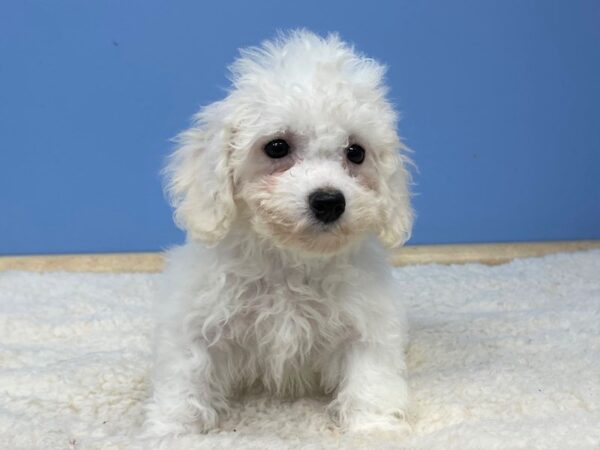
point(286, 321)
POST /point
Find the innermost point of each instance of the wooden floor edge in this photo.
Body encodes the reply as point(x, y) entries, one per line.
point(490, 254)
point(93, 262)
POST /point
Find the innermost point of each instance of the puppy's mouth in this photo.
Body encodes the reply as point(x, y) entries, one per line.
point(322, 240)
point(316, 228)
point(307, 234)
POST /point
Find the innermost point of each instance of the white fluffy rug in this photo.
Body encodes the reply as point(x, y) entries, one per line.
point(501, 357)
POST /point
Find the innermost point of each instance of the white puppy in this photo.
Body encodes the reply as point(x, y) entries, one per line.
point(286, 189)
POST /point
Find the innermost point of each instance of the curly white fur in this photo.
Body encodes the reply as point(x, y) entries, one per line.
point(262, 296)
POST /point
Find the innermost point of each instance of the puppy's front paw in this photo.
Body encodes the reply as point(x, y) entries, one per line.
point(393, 425)
point(363, 422)
point(201, 421)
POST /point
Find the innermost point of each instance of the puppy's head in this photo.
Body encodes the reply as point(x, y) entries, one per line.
point(303, 149)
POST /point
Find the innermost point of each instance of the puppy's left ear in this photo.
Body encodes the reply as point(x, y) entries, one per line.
point(397, 212)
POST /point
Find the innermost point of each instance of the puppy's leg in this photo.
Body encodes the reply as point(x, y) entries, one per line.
point(186, 397)
point(372, 394)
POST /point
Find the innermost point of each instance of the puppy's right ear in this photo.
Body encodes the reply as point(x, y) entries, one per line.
point(198, 177)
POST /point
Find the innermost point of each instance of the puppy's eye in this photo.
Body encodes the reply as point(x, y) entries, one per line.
point(355, 154)
point(277, 148)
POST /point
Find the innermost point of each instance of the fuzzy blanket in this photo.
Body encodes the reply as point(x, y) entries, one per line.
point(501, 357)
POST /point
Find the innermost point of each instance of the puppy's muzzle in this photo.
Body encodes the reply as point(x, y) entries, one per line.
point(327, 205)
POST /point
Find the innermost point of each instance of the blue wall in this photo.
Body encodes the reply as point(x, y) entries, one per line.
point(500, 101)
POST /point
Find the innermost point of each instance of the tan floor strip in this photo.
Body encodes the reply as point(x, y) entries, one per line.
point(100, 262)
point(415, 254)
point(485, 253)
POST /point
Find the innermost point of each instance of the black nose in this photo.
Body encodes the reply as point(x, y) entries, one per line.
point(327, 206)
